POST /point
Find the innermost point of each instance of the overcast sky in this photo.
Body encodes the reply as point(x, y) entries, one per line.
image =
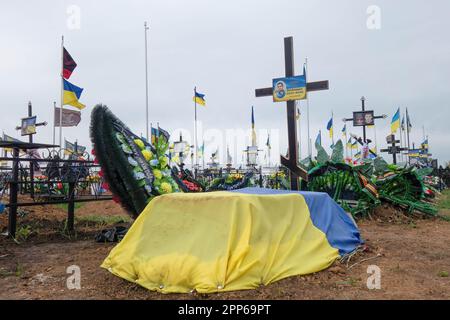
point(227, 49)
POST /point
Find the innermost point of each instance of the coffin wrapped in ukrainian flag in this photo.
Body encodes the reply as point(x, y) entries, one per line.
point(224, 241)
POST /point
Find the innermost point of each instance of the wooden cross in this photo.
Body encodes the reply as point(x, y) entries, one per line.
point(291, 162)
point(370, 113)
point(393, 148)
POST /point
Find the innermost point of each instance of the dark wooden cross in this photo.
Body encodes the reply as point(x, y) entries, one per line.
point(291, 162)
point(30, 140)
point(393, 148)
point(363, 109)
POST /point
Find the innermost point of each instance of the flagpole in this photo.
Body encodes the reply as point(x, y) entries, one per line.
point(346, 142)
point(146, 80)
point(332, 129)
point(307, 111)
point(62, 92)
point(407, 133)
point(195, 128)
point(401, 142)
point(351, 150)
point(54, 123)
point(375, 138)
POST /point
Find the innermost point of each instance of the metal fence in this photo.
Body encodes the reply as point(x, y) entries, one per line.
point(61, 181)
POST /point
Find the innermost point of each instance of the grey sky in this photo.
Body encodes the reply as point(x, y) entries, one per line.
point(227, 49)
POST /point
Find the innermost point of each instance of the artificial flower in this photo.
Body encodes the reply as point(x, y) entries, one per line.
point(139, 143)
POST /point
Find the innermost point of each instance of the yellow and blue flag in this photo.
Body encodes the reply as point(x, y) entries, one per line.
point(199, 98)
point(395, 123)
point(425, 144)
point(344, 130)
point(71, 95)
point(265, 236)
point(330, 127)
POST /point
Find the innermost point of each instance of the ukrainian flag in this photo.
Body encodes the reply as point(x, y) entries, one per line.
point(330, 127)
point(71, 95)
point(226, 241)
point(395, 123)
point(199, 98)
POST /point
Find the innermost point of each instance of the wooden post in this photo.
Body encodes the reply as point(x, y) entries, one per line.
point(13, 189)
point(71, 207)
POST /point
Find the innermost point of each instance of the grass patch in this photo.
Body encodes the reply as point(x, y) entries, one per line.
point(102, 220)
point(443, 274)
point(65, 206)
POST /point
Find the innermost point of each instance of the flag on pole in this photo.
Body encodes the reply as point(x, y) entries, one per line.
point(69, 148)
point(199, 98)
point(70, 118)
point(154, 135)
point(164, 133)
point(319, 139)
point(229, 158)
point(68, 64)
point(424, 144)
point(408, 121)
point(330, 127)
point(354, 145)
point(344, 130)
point(71, 95)
point(349, 142)
point(395, 123)
point(358, 155)
point(253, 129)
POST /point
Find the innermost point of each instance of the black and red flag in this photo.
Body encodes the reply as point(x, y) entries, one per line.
point(68, 64)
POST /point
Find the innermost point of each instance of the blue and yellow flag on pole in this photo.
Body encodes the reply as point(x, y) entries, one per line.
point(344, 130)
point(71, 95)
point(395, 123)
point(199, 98)
point(330, 127)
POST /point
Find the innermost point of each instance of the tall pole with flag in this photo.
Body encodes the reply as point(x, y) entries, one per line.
point(344, 133)
point(54, 123)
point(198, 99)
point(62, 92)
point(146, 82)
point(330, 130)
point(195, 127)
point(408, 130)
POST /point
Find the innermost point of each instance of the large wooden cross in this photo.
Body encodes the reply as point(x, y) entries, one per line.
point(291, 162)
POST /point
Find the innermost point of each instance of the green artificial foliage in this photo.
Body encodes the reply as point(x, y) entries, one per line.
point(338, 152)
point(322, 155)
point(380, 166)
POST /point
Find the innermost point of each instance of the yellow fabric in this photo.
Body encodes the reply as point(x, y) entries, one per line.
point(70, 98)
point(220, 241)
point(199, 101)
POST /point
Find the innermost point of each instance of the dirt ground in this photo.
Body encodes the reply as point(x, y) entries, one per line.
point(413, 255)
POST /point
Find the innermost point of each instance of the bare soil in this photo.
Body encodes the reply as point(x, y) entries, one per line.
point(412, 253)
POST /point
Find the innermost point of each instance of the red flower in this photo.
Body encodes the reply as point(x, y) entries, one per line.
point(116, 199)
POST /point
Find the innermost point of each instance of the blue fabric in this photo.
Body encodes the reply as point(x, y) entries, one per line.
point(340, 229)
